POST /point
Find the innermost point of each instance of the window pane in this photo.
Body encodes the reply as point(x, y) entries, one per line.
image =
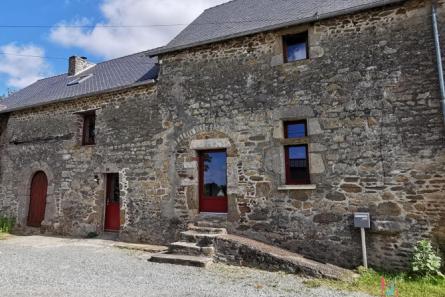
point(296, 51)
point(89, 130)
point(113, 192)
point(297, 130)
point(298, 164)
point(215, 174)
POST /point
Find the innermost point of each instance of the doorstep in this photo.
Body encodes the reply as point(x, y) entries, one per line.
point(141, 247)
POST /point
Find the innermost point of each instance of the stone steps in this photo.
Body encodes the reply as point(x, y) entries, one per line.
point(211, 220)
point(195, 249)
point(209, 230)
point(191, 249)
point(202, 244)
point(202, 239)
point(185, 260)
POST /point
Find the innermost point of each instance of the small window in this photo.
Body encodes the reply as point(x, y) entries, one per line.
point(296, 156)
point(79, 80)
point(89, 128)
point(297, 129)
point(295, 47)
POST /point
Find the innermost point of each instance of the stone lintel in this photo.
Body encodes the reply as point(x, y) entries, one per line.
point(209, 144)
point(297, 187)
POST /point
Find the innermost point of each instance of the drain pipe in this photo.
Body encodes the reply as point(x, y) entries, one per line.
point(438, 56)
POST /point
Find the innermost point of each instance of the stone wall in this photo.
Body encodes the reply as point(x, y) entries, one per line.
point(129, 142)
point(370, 95)
point(3, 202)
point(376, 139)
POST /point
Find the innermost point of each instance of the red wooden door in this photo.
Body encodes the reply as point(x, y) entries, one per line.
point(213, 181)
point(37, 201)
point(112, 209)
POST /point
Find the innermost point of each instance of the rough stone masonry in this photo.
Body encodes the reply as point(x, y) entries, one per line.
point(369, 93)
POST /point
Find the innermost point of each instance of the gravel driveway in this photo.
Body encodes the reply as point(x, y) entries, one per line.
point(44, 266)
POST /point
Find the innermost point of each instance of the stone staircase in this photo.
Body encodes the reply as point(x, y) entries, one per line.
point(207, 239)
point(196, 247)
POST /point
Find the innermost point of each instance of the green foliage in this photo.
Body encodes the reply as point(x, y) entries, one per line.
point(425, 262)
point(92, 235)
point(369, 282)
point(6, 225)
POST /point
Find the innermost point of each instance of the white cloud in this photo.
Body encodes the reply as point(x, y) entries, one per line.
point(21, 69)
point(114, 42)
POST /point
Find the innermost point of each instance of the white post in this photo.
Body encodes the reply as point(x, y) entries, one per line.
point(365, 258)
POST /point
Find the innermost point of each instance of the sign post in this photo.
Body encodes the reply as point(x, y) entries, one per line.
point(362, 220)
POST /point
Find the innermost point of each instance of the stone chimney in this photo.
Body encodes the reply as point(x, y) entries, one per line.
point(78, 64)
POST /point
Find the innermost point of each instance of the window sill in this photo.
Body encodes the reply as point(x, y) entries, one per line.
point(297, 187)
point(294, 141)
point(292, 63)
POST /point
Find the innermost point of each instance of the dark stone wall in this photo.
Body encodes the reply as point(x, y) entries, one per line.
point(376, 133)
point(129, 128)
point(3, 208)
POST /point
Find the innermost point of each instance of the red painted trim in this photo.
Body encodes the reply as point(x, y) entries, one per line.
point(37, 200)
point(112, 208)
point(288, 123)
point(289, 180)
point(304, 38)
point(208, 203)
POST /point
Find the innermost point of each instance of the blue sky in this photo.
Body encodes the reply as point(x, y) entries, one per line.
point(65, 34)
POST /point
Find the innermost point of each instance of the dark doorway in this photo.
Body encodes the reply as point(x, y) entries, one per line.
point(213, 181)
point(37, 201)
point(112, 209)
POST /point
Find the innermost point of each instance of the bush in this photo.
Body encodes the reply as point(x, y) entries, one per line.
point(6, 225)
point(92, 235)
point(425, 261)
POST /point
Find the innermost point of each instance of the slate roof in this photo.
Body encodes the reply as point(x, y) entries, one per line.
point(132, 70)
point(243, 17)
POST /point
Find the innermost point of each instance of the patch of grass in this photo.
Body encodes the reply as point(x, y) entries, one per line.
point(6, 225)
point(370, 282)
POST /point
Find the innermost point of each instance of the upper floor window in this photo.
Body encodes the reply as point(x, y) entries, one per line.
point(296, 47)
point(89, 128)
point(296, 156)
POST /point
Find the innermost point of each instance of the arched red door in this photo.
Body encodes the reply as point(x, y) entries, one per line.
point(37, 201)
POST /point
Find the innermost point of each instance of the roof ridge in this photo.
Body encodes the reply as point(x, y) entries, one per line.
point(263, 20)
point(106, 61)
point(45, 78)
point(225, 3)
point(122, 57)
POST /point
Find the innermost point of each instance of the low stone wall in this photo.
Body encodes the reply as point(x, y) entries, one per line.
point(241, 251)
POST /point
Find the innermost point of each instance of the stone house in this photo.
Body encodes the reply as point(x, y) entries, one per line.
point(283, 118)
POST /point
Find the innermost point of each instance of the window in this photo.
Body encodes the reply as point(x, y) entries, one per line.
point(295, 47)
point(79, 80)
point(296, 156)
point(213, 181)
point(89, 128)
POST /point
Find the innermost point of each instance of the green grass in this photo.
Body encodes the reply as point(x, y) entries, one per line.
point(369, 282)
point(6, 225)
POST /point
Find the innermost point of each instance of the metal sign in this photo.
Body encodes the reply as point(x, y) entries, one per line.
point(362, 220)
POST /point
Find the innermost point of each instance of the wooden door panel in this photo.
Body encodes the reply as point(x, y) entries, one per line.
point(112, 208)
point(37, 201)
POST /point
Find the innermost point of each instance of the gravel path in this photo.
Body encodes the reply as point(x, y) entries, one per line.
point(43, 266)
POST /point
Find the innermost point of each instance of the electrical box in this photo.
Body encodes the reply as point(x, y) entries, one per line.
point(362, 220)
